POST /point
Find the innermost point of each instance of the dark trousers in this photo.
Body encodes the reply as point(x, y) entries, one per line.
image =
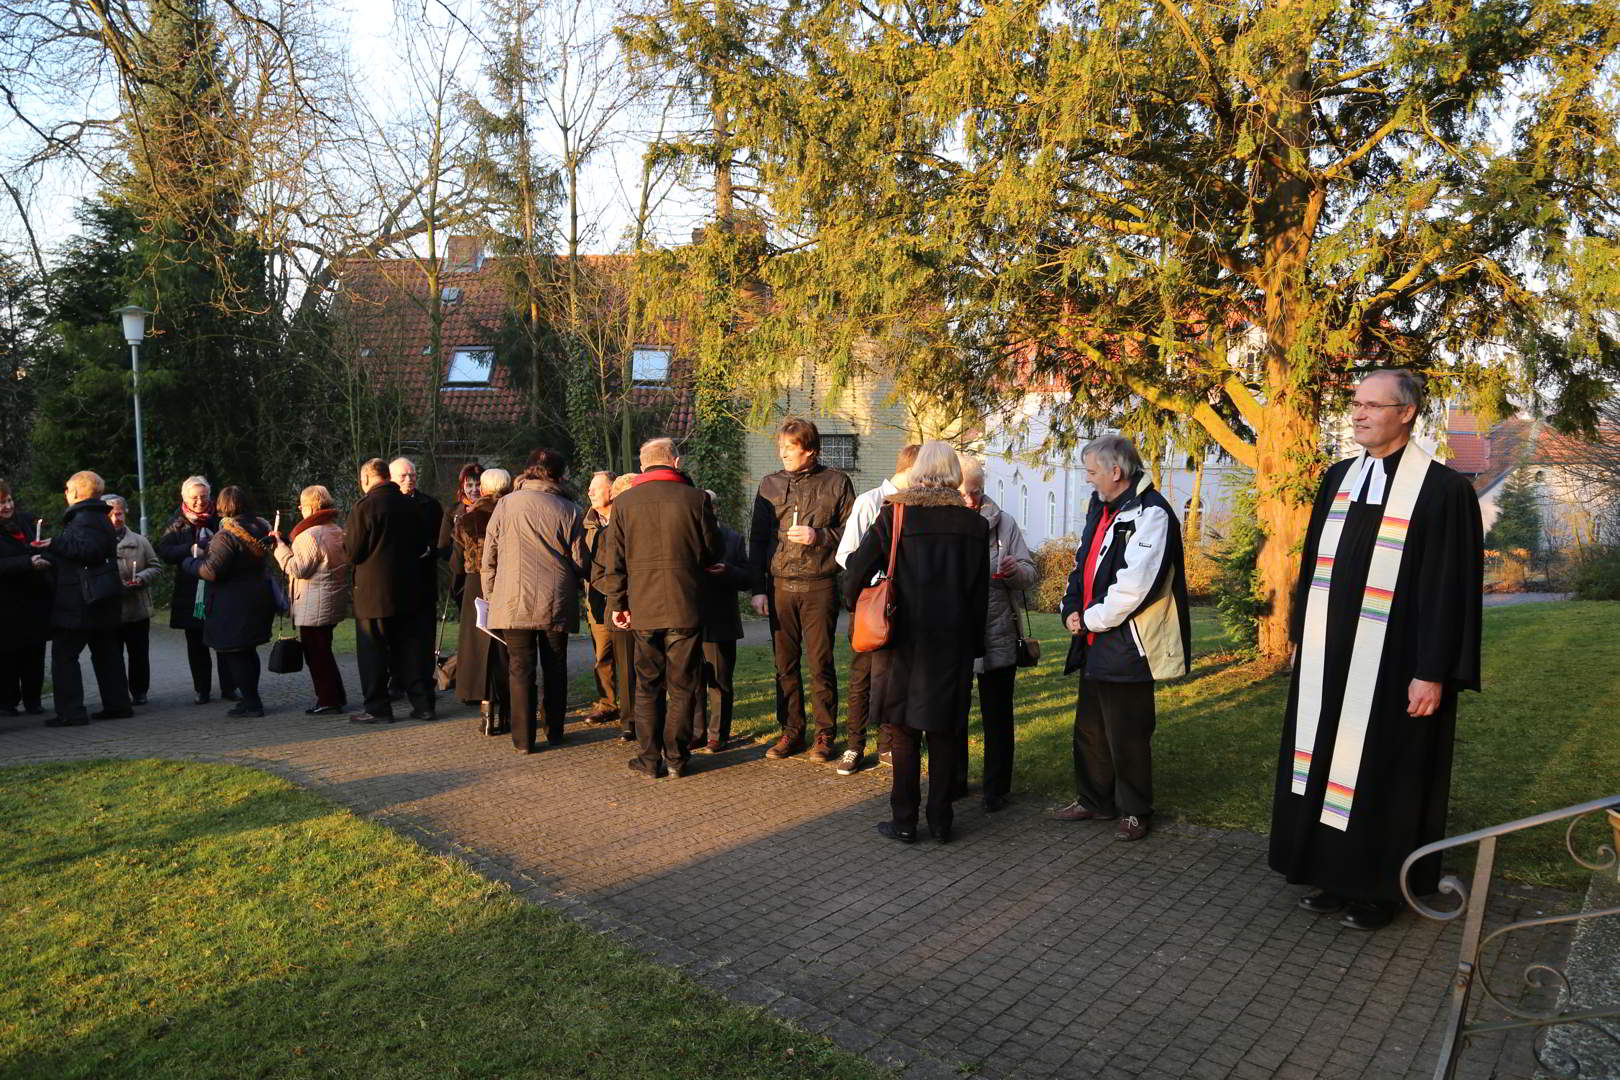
point(323, 669)
point(803, 623)
point(669, 668)
point(391, 646)
point(22, 675)
point(243, 665)
point(106, 658)
point(943, 776)
point(1113, 752)
point(201, 659)
point(624, 677)
point(425, 646)
point(860, 696)
point(607, 696)
point(996, 717)
point(719, 695)
point(550, 649)
point(136, 639)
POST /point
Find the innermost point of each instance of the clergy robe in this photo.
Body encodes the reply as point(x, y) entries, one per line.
point(1433, 634)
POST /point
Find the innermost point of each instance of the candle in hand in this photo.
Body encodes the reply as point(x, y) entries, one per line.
point(276, 528)
point(39, 523)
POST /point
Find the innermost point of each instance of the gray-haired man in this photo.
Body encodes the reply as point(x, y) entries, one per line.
point(1127, 608)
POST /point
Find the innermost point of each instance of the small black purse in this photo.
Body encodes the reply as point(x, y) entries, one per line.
point(1028, 649)
point(98, 584)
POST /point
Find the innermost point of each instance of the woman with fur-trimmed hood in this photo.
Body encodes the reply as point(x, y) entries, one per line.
point(239, 603)
point(923, 679)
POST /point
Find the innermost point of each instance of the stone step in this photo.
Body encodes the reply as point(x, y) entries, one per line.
point(1593, 969)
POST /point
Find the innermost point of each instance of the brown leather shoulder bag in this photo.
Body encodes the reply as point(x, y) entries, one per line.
point(874, 608)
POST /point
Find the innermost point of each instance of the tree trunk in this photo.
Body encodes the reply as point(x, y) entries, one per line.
point(1284, 515)
point(1195, 513)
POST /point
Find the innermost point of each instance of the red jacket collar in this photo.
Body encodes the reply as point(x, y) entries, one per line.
point(662, 472)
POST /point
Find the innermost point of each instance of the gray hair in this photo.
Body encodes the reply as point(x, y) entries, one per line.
point(1114, 452)
point(972, 469)
point(1404, 384)
point(494, 482)
point(317, 494)
point(936, 466)
point(119, 499)
point(660, 451)
point(400, 461)
point(195, 481)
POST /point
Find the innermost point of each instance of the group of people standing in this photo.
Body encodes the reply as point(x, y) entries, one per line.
point(1386, 622)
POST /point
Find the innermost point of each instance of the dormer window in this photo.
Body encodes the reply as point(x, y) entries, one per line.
point(649, 365)
point(449, 294)
point(470, 368)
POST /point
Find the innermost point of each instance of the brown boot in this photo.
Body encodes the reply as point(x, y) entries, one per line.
point(822, 751)
point(786, 746)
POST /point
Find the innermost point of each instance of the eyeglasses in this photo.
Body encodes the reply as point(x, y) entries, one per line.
point(1367, 406)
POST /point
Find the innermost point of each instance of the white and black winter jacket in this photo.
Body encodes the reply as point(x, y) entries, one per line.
point(1139, 593)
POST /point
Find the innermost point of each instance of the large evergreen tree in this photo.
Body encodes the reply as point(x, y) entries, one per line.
point(1132, 187)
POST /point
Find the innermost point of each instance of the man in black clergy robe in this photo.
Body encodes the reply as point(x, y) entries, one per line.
point(1399, 787)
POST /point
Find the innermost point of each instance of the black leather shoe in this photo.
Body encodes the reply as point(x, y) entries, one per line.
point(323, 710)
point(942, 834)
point(230, 695)
point(628, 736)
point(677, 769)
point(993, 803)
point(1322, 902)
point(138, 699)
point(1368, 914)
point(424, 714)
point(112, 714)
point(34, 708)
point(640, 770)
point(62, 721)
point(887, 829)
point(201, 699)
point(526, 749)
point(558, 741)
point(244, 709)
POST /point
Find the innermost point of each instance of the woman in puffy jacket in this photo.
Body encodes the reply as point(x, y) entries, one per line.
point(317, 568)
point(239, 603)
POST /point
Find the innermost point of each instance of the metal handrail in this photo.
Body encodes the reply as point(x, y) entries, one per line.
point(1536, 975)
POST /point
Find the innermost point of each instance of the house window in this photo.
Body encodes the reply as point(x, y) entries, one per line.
point(1001, 493)
point(470, 369)
point(650, 364)
point(1023, 502)
point(838, 451)
point(1051, 514)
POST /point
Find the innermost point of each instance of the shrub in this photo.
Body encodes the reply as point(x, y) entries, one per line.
point(1053, 561)
point(1237, 593)
point(1595, 573)
point(1203, 571)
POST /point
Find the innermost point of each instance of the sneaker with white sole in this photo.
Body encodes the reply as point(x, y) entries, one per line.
point(852, 761)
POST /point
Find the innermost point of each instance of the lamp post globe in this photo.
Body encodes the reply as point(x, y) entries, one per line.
point(133, 318)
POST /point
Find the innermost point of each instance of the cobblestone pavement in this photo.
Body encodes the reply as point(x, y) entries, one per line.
point(1027, 948)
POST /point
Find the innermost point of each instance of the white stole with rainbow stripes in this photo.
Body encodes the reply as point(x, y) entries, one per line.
point(1356, 707)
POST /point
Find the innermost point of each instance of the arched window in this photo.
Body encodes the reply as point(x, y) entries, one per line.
point(1001, 493)
point(1051, 513)
point(1023, 502)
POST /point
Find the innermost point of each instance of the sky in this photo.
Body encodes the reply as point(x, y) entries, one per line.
point(372, 33)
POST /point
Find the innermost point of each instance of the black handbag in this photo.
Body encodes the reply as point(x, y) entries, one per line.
point(1028, 649)
point(98, 584)
point(286, 655)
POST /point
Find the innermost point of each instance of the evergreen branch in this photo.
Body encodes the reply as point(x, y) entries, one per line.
point(1242, 452)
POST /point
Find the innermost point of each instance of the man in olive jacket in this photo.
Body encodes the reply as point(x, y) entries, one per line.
point(660, 541)
point(87, 540)
point(384, 540)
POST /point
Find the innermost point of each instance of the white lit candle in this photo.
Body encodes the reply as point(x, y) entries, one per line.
point(39, 523)
point(277, 526)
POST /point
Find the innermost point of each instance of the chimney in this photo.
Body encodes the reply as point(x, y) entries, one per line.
point(464, 253)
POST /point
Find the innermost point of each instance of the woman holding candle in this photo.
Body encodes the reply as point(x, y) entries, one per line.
point(317, 568)
point(139, 567)
point(25, 597)
point(192, 526)
point(238, 597)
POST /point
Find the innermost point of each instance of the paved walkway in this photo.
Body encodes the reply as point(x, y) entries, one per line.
point(1028, 948)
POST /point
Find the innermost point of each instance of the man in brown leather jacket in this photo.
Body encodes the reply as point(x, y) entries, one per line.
point(799, 516)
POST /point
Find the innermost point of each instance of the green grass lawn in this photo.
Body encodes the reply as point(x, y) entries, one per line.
point(1541, 736)
point(163, 919)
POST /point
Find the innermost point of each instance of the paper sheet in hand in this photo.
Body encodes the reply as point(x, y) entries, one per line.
point(481, 606)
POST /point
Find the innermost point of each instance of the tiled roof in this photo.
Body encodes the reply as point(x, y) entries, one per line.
point(384, 306)
point(1470, 450)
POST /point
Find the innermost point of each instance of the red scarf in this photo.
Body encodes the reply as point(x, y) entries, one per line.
point(1092, 552)
point(319, 517)
point(661, 472)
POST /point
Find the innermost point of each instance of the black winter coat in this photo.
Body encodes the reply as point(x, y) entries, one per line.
point(237, 601)
point(924, 678)
point(823, 498)
point(387, 543)
point(174, 548)
point(661, 536)
point(25, 593)
point(433, 518)
point(721, 620)
point(87, 538)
